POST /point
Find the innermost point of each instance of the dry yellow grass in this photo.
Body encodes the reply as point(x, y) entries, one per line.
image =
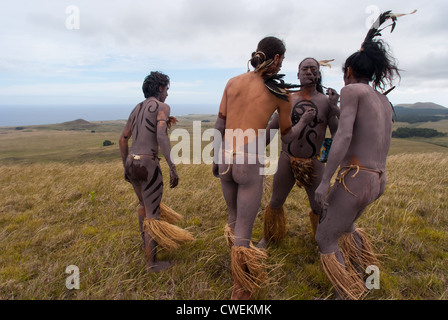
point(54, 215)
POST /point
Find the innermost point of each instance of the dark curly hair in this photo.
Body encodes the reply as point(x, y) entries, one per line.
point(373, 62)
point(152, 83)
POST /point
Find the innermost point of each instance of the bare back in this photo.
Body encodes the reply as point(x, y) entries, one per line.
point(247, 105)
point(143, 122)
point(371, 115)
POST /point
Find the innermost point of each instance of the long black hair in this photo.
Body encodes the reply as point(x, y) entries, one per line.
point(152, 83)
point(373, 61)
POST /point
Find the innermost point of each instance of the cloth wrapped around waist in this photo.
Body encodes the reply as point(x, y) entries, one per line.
point(302, 169)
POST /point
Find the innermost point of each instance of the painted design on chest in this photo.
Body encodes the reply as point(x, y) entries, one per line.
point(298, 110)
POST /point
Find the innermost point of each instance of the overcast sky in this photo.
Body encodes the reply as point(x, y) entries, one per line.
point(48, 58)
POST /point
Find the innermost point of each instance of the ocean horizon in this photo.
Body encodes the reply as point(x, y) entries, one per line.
point(26, 115)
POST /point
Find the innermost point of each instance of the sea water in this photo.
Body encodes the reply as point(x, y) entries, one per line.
point(25, 115)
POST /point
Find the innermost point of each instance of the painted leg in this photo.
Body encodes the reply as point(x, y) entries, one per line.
point(248, 269)
point(141, 218)
point(274, 219)
point(337, 218)
point(152, 190)
point(152, 265)
point(230, 192)
point(316, 210)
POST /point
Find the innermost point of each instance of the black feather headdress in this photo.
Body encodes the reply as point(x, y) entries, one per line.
point(278, 87)
point(375, 30)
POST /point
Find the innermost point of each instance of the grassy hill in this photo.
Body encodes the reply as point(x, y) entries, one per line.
point(420, 112)
point(56, 215)
point(81, 141)
point(64, 202)
point(422, 105)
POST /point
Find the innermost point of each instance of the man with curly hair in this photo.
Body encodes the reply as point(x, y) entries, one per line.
point(148, 126)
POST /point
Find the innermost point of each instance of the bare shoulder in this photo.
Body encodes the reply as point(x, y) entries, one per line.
point(236, 79)
point(165, 106)
point(357, 89)
point(233, 84)
point(321, 98)
point(295, 97)
point(164, 111)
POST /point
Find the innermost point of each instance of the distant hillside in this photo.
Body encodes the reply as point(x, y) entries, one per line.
point(422, 105)
point(78, 124)
point(420, 112)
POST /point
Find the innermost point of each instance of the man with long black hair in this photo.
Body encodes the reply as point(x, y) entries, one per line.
point(360, 148)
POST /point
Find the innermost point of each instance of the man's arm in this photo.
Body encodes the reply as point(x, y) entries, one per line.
point(163, 117)
point(333, 124)
point(220, 127)
point(123, 142)
point(273, 125)
point(342, 139)
point(333, 111)
point(289, 132)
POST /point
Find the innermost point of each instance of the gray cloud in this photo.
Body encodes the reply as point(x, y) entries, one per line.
point(124, 36)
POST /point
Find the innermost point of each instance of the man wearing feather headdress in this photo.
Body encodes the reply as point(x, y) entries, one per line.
point(248, 102)
point(360, 149)
point(298, 162)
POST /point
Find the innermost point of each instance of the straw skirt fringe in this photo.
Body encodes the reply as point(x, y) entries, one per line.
point(229, 235)
point(358, 257)
point(249, 267)
point(169, 215)
point(345, 280)
point(314, 219)
point(274, 224)
point(165, 234)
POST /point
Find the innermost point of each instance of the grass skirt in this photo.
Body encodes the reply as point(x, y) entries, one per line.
point(346, 280)
point(229, 235)
point(169, 215)
point(314, 219)
point(274, 224)
point(358, 257)
point(302, 170)
point(169, 236)
point(249, 267)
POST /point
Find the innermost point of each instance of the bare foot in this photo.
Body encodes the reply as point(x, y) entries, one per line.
point(262, 244)
point(239, 293)
point(159, 266)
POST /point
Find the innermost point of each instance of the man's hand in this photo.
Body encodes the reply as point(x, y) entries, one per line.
point(215, 170)
point(333, 96)
point(174, 178)
point(308, 116)
point(171, 121)
point(321, 193)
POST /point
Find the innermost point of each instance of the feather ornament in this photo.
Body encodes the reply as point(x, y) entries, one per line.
point(325, 63)
point(375, 30)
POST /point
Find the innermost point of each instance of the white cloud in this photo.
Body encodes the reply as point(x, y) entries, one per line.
point(120, 41)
